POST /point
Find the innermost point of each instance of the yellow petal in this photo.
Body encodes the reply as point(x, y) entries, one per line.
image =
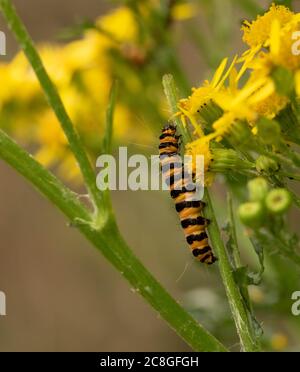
point(275, 38)
point(218, 74)
point(297, 82)
point(228, 72)
point(262, 93)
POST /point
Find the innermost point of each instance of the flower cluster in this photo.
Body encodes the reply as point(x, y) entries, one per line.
point(252, 106)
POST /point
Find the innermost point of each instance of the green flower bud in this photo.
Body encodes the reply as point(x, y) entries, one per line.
point(226, 159)
point(278, 201)
point(266, 164)
point(258, 189)
point(210, 112)
point(289, 124)
point(240, 134)
point(269, 131)
point(284, 81)
point(252, 214)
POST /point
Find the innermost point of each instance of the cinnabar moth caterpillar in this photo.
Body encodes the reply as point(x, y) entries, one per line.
point(188, 208)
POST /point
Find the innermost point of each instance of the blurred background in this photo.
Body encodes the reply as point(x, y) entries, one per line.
point(61, 294)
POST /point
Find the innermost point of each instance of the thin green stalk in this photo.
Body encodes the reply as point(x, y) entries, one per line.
point(19, 30)
point(111, 244)
point(171, 93)
point(108, 136)
point(235, 248)
point(239, 312)
point(107, 148)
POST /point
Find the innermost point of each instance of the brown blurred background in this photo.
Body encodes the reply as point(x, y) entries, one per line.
point(61, 294)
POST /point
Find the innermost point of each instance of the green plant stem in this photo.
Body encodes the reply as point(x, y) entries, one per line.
point(239, 312)
point(235, 247)
point(107, 148)
point(171, 93)
point(111, 244)
point(19, 30)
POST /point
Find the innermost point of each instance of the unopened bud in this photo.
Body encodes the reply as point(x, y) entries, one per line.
point(258, 189)
point(210, 112)
point(226, 159)
point(252, 214)
point(269, 131)
point(266, 164)
point(240, 134)
point(278, 201)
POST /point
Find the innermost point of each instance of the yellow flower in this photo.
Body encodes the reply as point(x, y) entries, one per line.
point(83, 72)
point(184, 11)
point(279, 341)
point(205, 93)
point(281, 43)
point(267, 101)
point(270, 40)
point(15, 76)
point(202, 95)
point(270, 106)
point(258, 32)
point(120, 24)
point(201, 146)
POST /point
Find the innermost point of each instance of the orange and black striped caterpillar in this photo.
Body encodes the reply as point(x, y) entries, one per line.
point(188, 207)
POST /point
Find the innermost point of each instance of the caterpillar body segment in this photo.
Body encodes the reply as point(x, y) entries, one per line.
point(183, 192)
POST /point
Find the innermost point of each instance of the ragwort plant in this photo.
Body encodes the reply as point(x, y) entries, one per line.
point(245, 122)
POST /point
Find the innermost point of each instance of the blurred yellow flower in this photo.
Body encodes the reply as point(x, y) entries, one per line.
point(184, 11)
point(258, 31)
point(83, 71)
point(279, 342)
point(120, 24)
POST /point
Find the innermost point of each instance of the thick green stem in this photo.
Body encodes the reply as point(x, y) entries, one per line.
point(18, 28)
point(237, 307)
point(238, 310)
point(109, 241)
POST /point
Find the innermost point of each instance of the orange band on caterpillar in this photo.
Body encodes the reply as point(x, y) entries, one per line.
point(188, 208)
